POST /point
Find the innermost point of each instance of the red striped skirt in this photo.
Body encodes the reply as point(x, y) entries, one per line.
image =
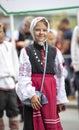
point(47, 117)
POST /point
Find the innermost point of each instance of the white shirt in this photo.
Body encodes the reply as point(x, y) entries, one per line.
point(75, 49)
point(9, 66)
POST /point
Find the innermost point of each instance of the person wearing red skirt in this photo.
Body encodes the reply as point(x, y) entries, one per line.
point(32, 60)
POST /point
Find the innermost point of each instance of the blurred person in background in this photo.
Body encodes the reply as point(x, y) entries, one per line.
point(51, 38)
point(56, 39)
point(9, 67)
point(7, 31)
point(22, 36)
point(75, 56)
point(66, 51)
point(59, 40)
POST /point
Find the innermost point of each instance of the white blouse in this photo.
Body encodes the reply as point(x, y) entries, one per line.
point(75, 49)
point(9, 66)
point(24, 87)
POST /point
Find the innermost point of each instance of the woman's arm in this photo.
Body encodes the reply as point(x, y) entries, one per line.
point(24, 88)
point(60, 76)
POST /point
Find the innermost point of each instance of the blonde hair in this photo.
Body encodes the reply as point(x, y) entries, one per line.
point(28, 19)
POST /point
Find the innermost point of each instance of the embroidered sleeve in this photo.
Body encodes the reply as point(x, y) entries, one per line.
point(24, 88)
point(61, 73)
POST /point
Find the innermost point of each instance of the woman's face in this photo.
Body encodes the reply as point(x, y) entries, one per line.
point(40, 32)
point(51, 38)
point(1, 33)
point(26, 27)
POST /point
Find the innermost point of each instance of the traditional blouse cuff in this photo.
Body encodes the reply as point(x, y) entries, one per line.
point(30, 96)
point(64, 101)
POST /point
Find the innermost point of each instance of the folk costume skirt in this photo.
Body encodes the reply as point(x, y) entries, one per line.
point(47, 117)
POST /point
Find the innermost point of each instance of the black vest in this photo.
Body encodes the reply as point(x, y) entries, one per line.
point(37, 68)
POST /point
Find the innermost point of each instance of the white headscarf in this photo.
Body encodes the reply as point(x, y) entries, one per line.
point(34, 22)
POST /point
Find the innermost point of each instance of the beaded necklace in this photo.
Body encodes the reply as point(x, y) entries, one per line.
point(37, 57)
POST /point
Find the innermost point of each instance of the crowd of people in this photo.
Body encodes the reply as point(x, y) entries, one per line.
point(21, 75)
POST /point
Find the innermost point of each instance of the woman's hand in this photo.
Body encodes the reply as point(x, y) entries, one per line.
point(61, 107)
point(20, 44)
point(35, 101)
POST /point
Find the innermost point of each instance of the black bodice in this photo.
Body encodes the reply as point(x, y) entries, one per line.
point(37, 68)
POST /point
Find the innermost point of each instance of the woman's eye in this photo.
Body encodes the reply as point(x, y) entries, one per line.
point(45, 30)
point(38, 30)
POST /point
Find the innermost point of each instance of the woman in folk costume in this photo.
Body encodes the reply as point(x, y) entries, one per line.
point(32, 60)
